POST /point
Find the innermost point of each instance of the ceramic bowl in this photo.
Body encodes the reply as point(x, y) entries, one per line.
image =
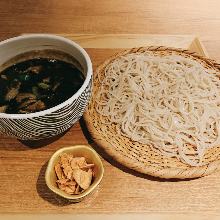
point(56, 120)
point(77, 151)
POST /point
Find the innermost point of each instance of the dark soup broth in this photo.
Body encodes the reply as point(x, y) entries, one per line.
point(38, 83)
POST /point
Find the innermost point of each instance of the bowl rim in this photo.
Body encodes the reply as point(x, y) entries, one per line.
point(74, 96)
point(86, 192)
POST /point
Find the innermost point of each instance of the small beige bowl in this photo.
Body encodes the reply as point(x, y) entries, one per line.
point(77, 151)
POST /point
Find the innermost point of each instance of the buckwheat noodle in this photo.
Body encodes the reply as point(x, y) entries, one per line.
point(170, 102)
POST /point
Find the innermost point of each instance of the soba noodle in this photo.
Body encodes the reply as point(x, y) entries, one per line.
point(169, 102)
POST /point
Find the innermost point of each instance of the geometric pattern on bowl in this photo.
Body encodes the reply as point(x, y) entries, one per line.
point(49, 125)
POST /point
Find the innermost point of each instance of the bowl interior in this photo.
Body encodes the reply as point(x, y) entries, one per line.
point(23, 44)
point(17, 46)
point(77, 151)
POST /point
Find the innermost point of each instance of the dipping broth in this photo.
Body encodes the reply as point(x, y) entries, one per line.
point(37, 84)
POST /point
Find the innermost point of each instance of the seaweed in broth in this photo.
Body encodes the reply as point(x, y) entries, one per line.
point(37, 84)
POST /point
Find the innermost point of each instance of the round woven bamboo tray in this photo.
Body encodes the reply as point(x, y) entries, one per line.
point(140, 157)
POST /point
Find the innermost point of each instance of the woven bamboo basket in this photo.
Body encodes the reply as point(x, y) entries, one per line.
point(140, 157)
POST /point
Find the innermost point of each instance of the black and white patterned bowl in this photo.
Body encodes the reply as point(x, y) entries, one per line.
point(56, 120)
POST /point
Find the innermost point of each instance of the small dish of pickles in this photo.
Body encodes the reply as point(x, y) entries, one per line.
point(74, 172)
